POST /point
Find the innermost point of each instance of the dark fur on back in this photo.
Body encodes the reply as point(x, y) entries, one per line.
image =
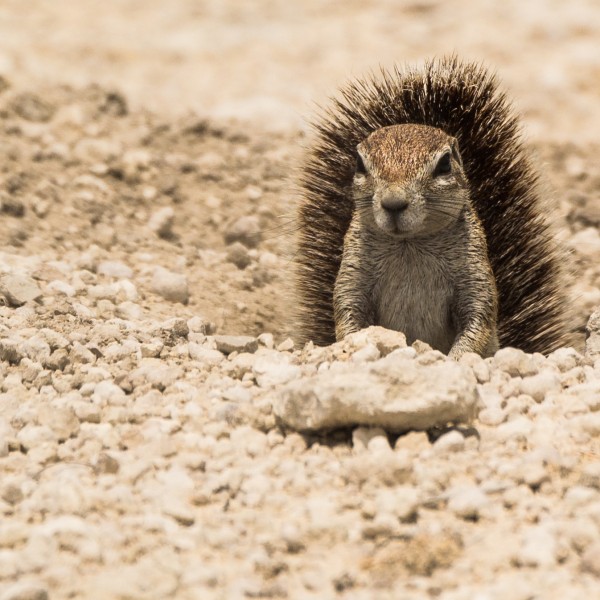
point(463, 100)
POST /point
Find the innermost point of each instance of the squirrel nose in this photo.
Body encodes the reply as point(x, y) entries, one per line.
point(395, 204)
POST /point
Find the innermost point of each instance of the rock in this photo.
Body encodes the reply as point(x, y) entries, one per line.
point(171, 286)
point(286, 346)
point(515, 362)
point(586, 243)
point(25, 590)
point(9, 564)
point(12, 206)
point(538, 548)
point(6, 435)
point(80, 354)
point(204, 354)
point(453, 441)
point(533, 474)
point(362, 436)
point(591, 424)
point(267, 340)
point(161, 222)
point(105, 463)
point(32, 108)
point(517, 429)
point(11, 492)
point(368, 353)
point(11, 351)
point(58, 360)
point(537, 386)
point(492, 416)
point(62, 420)
point(590, 475)
point(237, 254)
point(133, 162)
point(245, 230)
point(201, 325)
point(592, 342)
point(467, 502)
point(590, 561)
point(114, 268)
point(235, 343)
point(175, 328)
point(59, 287)
point(579, 496)
point(157, 373)
point(478, 364)
point(273, 368)
point(414, 442)
point(177, 509)
point(107, 393)
point(386, 340)
point(394, 393)
point(565, 359)
point(35, 435)
point(19, 289)
point(401, 502)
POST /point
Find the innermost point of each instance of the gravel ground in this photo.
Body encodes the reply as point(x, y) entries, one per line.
point(161, 436)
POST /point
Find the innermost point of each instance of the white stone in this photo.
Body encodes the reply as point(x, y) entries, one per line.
point(115, 269)
point(25, 590)
point(453, 441)
point(62, 420)
point(538, 386)
point(205, 355)
point(518, 428)
point(170, 285)
point(467, 502)
point(590, 561)
point(59, 287)
point(368, 353)
point(362, 436)
point(18, 289)
point(235, 343)
point(274, 368)
point(515, 362)
point(161, 221)
point(538, 548)
point(35, 435)
point(400, 501)
point(246, 230)
point(394, 393)
point(107, 393)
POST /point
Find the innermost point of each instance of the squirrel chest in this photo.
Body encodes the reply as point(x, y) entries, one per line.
point(413, 292)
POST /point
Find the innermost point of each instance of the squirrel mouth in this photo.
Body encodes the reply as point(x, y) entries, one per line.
point(396, 224)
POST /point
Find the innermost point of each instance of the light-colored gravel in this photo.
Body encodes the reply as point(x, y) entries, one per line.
point(161, 435)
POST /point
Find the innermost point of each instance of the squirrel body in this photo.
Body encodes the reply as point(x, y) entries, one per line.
point(420, 213)
point(415, 257)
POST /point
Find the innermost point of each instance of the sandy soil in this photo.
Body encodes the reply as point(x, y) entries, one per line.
point(145, 134)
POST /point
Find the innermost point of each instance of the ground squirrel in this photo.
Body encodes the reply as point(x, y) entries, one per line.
point(420, 213)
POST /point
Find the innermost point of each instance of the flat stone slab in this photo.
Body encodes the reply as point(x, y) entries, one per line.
point(236, 343)
point(18, 289)
point(395, 393)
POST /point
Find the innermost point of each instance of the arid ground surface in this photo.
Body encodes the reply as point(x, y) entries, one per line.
point(147, 151)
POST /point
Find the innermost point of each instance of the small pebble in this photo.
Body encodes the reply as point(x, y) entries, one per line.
point(171, 286)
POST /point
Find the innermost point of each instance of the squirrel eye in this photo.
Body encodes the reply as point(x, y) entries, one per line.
point(444, 165)
point(361, 169)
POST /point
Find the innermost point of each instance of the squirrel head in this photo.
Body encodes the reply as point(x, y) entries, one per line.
point(409, 180)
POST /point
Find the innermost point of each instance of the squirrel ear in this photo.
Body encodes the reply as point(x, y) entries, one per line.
point(455, 152)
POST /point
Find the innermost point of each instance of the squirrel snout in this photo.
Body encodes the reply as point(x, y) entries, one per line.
point(394, 203)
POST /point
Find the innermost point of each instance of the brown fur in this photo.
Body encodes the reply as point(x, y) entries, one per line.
point(463, 101)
